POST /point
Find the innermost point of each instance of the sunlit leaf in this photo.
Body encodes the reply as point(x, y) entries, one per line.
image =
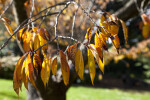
point(71, 52)
point(7, 25)
point(125, 30)
point(54, 66)
point(64, 67)
point(29, 70)
point(79, 63)
point(19, 34)
point(98, 46)
point(89, 34)
point(37, 44)
point(45, 72)
point(17, 79)
point(99, 61)
point(116, 42)
point(27, 41)
point(44, 34)
point(42, 42)
point(103, 41)
point(24, 75)
point(91, 65)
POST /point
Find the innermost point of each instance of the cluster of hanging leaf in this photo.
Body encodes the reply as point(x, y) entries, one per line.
point(146, 26)
point(30, 64)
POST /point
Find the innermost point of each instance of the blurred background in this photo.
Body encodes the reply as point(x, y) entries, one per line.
point(127, 74)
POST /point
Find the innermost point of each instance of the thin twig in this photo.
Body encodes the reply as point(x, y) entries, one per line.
point(45, 44)
point(56, 24)
point(71, 38)
point(136, 4)
point(7, 8)
point(21, 26)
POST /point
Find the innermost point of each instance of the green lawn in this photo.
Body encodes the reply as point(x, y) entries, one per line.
point(78, 93)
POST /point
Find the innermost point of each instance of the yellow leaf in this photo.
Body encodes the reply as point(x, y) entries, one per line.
point(54, 66)
point(103, 41)
point(71, 52)
point(91, 64)
point(116, 42)
point(9, 29)
point(24, 75)
point(125, 30)
point(37, 63)
point(146, 31)
point(17, 79)
point(19, 34)
point(89, 34)
point(98, 46)
point(27, 41)
point(37, 44)
point(113, 29)
point(45, 72)
point(29, 70)
point(99, 61)
point(79, 63)
point(64, 67)
point(42, 42)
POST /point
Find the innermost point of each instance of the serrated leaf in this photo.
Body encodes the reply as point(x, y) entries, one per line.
point(19, 34)
point(29, 70)
point(44, 34)
point(98, 46)
point(89, 34)
point(37, 44)
point(71, 52)
point(37, 63)
point(7, 25)
point(27, 41)
point(99, 61)
point(103, 41)
point(116, 42)
point(113, 29)
point(17, 79)
point(146, 31)
point(24, 75)
point(79, 63)
point(91, 64)
point(42, 42)
point(64, 67)
point(125, 30)
point(54, 66)
point(45, 72)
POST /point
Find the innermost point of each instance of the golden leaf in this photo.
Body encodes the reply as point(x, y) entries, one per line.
point(19, 34)
point(37, 44)
point(17, 79)
point(91, 64)
point(89, 34)
point(45, 72)
point(27, 41)
point(64, 67)
point(42, 42)
point(125, 30)
point(98, 46)
point(54, 66)
point(103, 41)
point(71, 52)
point(116, 42)
point(79, 63)
point(99, 61)
point(29, 70)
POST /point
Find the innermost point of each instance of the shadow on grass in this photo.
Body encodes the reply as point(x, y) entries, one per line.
point(116, 83)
